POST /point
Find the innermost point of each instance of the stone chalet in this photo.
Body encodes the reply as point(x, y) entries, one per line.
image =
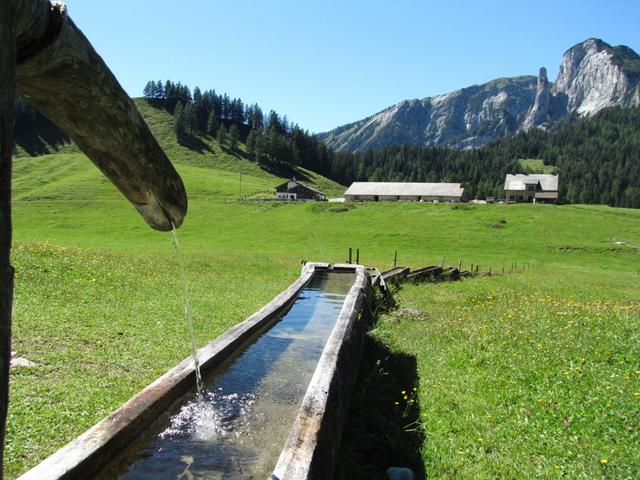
point(404, 191)
point(296, 190)
point(532, 188)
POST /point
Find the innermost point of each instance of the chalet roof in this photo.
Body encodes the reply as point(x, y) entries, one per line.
point(406, 189)
point(285, 184)
point(548, 182)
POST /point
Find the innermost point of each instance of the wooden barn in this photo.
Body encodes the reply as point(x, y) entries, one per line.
point(404, 191)
point(294, 190)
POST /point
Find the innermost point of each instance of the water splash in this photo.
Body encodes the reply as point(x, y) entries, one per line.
point(216, 415)
point(187, 311)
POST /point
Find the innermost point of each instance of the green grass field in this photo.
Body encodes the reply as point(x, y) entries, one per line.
point(530, 375)
point(537, 166)
point(522, 376)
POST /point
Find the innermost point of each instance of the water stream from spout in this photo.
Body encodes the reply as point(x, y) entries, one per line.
point(187, 312)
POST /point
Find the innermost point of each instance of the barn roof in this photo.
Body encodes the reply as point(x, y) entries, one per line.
point(548, 182)
point(406, 189)
point(301, 184)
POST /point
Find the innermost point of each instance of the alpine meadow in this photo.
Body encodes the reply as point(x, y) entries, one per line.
point(490, 334)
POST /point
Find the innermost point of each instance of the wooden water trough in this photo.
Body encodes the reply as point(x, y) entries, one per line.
point(425, 272)
point(313, 443)
point(395, 274)
point(376, 279)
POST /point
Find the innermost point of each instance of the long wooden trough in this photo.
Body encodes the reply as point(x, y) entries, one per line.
point(395, 274)
point(421, 273)
point(314, 439)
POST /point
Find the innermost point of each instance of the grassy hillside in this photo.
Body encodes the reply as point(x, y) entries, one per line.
point(224, 166)
point(532, 165)
point(98, 308)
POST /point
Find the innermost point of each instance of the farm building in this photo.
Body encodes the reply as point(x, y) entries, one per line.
point(296, 190)
point(536, 188)
point(403, 191)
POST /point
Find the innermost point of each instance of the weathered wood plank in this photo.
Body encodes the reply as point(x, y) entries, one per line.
point(395, 274)
point(7, 92)
point(63, 77)
point(60, 73)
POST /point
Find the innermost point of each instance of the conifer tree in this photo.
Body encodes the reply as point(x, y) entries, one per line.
point(191, 122)
point(234, 137)
point(159, 92)
point(251, 142)
point(180, 123)
point(212, 124)
point(147, 92)
point(222, 135)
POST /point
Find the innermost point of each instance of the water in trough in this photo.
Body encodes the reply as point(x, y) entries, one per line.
point(239, 427)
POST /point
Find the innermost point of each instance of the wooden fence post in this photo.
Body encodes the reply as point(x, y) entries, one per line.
point(395, 258)
point(357, 256)
point(349, 262)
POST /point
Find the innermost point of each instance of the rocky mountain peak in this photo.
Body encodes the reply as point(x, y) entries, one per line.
point(540, 112)
point(593, 75)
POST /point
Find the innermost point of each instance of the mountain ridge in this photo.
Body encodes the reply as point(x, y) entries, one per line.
point(593, 75)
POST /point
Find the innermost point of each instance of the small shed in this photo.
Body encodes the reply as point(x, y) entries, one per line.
point(295, 190)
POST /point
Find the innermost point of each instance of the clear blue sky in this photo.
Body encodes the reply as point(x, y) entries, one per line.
point(327, 63)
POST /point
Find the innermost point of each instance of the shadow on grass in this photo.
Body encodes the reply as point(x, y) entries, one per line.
point(284, 170)
point(193, 143)
point(37, 135)
point(379, 433)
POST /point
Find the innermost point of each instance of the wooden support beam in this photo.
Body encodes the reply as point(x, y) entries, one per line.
point(45, 58)
point(7, 93)
point(60, 74)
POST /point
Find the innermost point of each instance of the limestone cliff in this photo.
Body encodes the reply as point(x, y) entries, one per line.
point(593, 75)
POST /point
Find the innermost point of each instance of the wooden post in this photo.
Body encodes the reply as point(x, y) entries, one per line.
point(357, 256)
point(503, 269)
point(59, 72)
point(477, 267)
point(349, 262)
point(460, 265)
point(395, 258)
point(7, 98)
point(471, 269)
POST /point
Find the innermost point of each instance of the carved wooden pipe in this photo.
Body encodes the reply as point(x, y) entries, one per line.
point(60, 73)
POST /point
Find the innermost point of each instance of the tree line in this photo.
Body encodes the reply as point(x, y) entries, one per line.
point(270, 139)
point(598, 158)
